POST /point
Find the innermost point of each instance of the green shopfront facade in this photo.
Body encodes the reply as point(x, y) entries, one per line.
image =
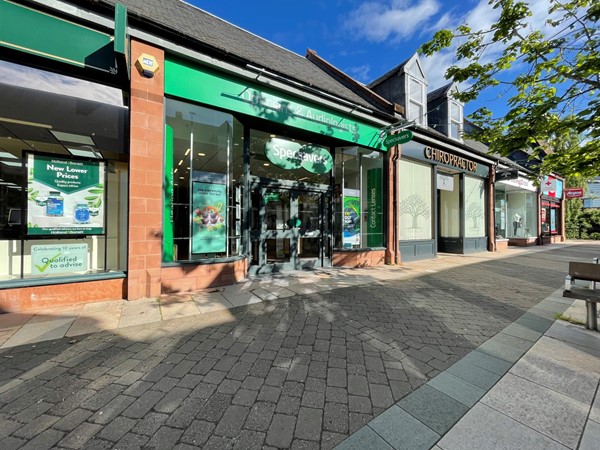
point(262, 178)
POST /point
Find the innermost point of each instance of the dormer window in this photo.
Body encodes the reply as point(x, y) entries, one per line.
point(456, 120)
point(416, 100)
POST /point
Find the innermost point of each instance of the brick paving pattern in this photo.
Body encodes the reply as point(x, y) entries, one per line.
point(300, 373)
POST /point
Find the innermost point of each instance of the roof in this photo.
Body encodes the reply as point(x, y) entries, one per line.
point(390, 73)
point(371, 96)
point(176, 19)
point(439, 92)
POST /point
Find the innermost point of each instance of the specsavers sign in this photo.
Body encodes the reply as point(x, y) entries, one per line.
point(292, 155)
point(185, 80)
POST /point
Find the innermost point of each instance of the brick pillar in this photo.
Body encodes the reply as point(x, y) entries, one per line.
point(145, 177)
point(391, 251)
point(491, 190)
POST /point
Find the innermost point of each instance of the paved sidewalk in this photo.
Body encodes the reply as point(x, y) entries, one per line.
point(71, 321)
point(532, 386)
point(460, 352)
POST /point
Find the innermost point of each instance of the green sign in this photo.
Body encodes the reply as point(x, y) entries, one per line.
point(185, 80)
point(400, 138)
point(59, 258)
point(64, 196)
point(374, 208)
point(27, 30)
point(291, 156)
point(209, 234)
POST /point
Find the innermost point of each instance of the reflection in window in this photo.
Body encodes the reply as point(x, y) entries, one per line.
point(203, 195)
point(358, 198)
point(449, 209)
point(474, 207)
point(46, 112)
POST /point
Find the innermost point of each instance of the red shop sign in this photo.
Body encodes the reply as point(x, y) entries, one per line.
point(574, 192)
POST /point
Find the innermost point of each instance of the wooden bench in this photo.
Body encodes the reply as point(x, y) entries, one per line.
point(585, 272)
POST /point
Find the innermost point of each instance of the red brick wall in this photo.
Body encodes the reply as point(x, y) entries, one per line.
point(359, 259)
point(145, 177)
point(25, 299)
point(189, 278)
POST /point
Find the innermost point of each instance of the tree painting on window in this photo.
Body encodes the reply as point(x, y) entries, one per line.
point(474, 212)
point(415, 206)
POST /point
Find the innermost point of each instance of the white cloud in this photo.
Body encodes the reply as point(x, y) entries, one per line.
point(390, 20)
point(17, 75)
point(360, 73)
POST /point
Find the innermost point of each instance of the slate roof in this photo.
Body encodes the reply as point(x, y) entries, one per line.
point(175, 19)
point(390, 73)
point(439, 92)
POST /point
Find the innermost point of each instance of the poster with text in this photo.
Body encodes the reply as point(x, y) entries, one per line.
point(65, 195)
point(375, 208)
point(351, 237)
point(209, 224)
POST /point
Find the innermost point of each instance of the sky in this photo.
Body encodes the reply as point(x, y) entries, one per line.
point(366, 38)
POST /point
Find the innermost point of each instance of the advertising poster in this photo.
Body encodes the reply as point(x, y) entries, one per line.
point(59, 258)
point(209, 225)
point(374, 209)
point(65, 195)
point(351, 218)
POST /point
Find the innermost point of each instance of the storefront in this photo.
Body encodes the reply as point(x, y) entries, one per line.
point(552, 216)
point(443, 201)
point(515, 209)
point(254, 176)
point(63, 162)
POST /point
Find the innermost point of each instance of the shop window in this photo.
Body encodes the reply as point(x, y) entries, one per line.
point(203, 187)
point(521, 214)
point(474, 207)
point(275, 157)
point(415, 207)
point(358, 198)
point(550, 212)
point(63, 175)
point(449, 204)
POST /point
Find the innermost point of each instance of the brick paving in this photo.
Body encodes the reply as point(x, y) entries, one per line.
point(300, 373)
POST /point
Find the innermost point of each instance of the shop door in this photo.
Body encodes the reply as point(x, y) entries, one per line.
point(288, 229)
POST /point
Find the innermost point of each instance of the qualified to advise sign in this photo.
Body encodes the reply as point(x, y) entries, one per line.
point(58, 258)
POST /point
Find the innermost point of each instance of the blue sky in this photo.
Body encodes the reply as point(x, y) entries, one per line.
point(364, 39)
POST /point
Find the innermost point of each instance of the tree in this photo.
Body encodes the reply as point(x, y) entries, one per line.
point(551, 75)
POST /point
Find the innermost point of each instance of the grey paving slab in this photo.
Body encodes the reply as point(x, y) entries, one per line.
point(595, 411)
point(535, 322)
point(402, 431)
point(503, 346)
point(485, 428)
point(456, 388)
point(575, 334)
point(557, 416)
point(433, 408)
point(591, 436)
point(365, 438)
point(556, 364)
point(466, 371)
point(47, 330)
point(487, 362)
point(522, 332)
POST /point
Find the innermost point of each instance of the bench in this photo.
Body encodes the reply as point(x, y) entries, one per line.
point(585, 272)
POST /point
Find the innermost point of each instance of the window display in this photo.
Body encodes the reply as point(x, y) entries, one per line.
point(358, 198)
point(63, 175)
point(203, 186)
point(416, 204)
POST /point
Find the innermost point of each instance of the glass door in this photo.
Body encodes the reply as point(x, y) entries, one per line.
point(287, 229)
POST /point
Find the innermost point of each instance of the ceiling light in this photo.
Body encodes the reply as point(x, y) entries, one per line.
point(4, 154)
point(273, 135)
point(24, 122)
point(180, 162)
point(187, 152)
point(201, 154)
point(12, 163)
point(71, 137)
point(266, 164)
point(85, 153)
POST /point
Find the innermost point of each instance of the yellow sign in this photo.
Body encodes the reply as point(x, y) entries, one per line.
point(146, 65)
